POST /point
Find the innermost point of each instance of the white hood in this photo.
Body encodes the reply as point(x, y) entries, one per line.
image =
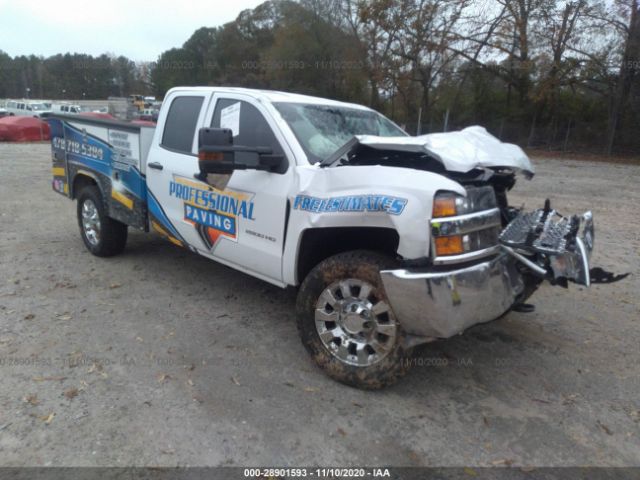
point(458, 151)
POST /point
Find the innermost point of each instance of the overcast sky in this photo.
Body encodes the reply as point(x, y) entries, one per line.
point(138, 29)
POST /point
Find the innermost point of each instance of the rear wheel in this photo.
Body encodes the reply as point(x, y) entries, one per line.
point(347, 324)
point(103, 236)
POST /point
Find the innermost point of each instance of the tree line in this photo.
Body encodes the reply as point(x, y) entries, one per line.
point(554, 73)
point(70, 76)
point(562, 74)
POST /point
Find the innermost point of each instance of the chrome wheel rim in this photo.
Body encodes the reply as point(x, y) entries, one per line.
point(354, 323)
point(91, 222)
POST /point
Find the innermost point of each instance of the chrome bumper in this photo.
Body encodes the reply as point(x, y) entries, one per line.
point(440, 304)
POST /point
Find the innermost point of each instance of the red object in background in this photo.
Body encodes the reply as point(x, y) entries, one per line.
point(144, 123)
point(23, 129)
point(106, 116)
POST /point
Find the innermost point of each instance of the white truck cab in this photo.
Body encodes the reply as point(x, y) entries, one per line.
point(66, 108)
point(392, 240)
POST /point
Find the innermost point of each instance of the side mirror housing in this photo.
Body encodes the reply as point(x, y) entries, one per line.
point(216, 154)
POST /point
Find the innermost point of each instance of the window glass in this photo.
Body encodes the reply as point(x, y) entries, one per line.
point(254, 131)
point(180, 126)
point(323, 129)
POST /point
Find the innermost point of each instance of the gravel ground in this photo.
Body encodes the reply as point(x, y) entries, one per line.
point(159, 357)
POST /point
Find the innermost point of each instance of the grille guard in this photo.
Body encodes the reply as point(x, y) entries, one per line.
point(552, 246)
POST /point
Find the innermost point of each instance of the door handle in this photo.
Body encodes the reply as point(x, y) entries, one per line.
point(155, 165)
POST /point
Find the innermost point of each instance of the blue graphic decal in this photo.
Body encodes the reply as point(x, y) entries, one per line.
point(95, 155)
point(351, 203)
point(156, 210)
point(231, 203)
point(209, 218)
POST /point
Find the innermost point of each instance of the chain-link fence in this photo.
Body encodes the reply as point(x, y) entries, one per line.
point(565, 135)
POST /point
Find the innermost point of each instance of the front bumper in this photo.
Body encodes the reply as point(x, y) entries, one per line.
point(440, 304)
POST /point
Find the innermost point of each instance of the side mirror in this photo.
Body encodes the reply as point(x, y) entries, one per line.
point(216, 154)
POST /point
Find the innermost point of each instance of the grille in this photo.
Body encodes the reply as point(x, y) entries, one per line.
point(542, 230)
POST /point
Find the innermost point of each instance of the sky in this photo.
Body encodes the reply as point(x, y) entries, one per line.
point(139, 29)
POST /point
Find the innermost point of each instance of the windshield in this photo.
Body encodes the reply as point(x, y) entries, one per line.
point(323, 129)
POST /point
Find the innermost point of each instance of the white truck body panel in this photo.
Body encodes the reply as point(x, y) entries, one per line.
point(415, 189)
point(459, 151)
point(256, 244)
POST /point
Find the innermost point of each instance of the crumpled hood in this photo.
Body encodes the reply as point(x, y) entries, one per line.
point(458, 151)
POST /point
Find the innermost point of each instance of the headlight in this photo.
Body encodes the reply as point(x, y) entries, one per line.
point(447, 204)
point(461, 225)
point(444, 205)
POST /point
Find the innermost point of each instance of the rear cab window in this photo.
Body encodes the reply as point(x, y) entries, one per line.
point(181, 122)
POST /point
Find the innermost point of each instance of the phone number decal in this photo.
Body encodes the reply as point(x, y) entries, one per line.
point(72, 146)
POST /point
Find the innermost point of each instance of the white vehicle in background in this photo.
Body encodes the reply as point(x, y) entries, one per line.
point(26, 108)
point(66, 108)
point(149, 115)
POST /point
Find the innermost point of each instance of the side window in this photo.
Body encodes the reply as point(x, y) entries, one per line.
point(253, 129)
point(181, 122)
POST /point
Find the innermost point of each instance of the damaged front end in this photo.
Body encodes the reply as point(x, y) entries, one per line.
point(456, 292)
point(553, 247)
point(485, 257)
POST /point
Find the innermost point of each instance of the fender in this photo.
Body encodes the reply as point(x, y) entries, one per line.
point(83, 173)
point(364, 196)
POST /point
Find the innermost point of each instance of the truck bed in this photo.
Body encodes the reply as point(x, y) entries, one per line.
point(110, 153)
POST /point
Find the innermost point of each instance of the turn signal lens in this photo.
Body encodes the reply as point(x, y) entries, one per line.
point(452, 245)
point(444, 206)
point(210, 156)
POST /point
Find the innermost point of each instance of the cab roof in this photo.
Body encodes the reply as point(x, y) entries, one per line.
point(271, 96)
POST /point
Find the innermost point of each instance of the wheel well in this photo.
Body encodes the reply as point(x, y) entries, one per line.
point(320, 243)
point(79, 182)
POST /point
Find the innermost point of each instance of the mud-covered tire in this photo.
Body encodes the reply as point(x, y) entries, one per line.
point(358, 267)
point(103, 236)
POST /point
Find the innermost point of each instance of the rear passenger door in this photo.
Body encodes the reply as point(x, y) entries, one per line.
point(171, 165)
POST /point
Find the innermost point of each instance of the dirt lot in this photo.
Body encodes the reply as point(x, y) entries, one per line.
point(159, 357)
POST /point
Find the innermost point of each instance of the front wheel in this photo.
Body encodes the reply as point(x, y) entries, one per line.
point(103, 236)
point(346, 323)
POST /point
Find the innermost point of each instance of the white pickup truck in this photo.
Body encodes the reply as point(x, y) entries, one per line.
point(392, 240)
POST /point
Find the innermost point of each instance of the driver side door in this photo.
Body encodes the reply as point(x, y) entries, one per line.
point(250, 228)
